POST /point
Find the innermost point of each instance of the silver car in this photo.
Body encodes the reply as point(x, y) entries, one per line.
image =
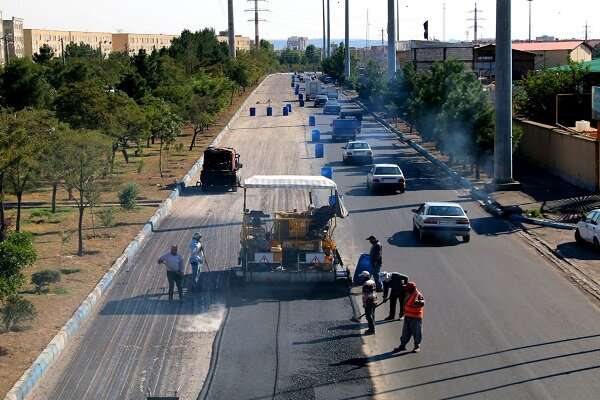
point(441, 219)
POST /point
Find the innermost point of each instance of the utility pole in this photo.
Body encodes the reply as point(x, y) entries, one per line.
point(256, 20)
point(231, 29)
point(397, 20)
point(530, 1)
point(347, 43)
point(328, 30)
point(503, 170)
point(62, 50)
point(476, 19)
point(587, 27)
point(391, 40)
point(382, 33)
point(444, 22)
point(324, 50)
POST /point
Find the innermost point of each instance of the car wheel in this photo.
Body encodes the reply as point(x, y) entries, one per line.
point(466, 238)
point(596, 243)
point(578, 237)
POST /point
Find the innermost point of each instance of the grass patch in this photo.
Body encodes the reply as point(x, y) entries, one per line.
point(69, 271)
point(60, 290)
point(44, 216)
point(534, 213)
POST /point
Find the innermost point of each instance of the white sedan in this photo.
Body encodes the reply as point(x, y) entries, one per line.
point(588, 229)
point(357, 151)
point(444, 219)
point(386, 176)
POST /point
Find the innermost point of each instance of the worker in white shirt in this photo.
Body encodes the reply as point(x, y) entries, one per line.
point(196, 257)
point(175, 271)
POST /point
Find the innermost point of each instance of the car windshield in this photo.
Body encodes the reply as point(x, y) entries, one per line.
point(450, 211)
point(387, 171)
point(358, 146)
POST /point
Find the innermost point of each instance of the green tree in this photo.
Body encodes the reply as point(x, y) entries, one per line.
point(83, 105)
point(535, 95)
point(372, 85)
point(291, 57)
point(81, 50)
point(198, 50)
point(23, 85)
point(16, 253)
point(87, 158)
point(52, 160)
point(165, 125)
point(44, 278)
point(312, 55)
point(200, 114)
point(44, 55)
point(31, 128)
point(334, 65)
point(15, 311)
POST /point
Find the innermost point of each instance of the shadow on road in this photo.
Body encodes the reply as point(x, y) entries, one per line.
point(492, 226)
point(409, 239)
point(578, 251)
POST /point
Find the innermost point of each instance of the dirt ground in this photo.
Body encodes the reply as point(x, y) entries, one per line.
point(55, 240)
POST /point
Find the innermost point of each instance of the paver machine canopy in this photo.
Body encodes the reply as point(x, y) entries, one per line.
point(292, 245)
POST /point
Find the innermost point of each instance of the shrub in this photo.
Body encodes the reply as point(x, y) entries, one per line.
point(17, 310)
point(44, 278)
point(43, 216)
point(16, 253)
point(69, 271)
point(107, 216)
point(128, 196)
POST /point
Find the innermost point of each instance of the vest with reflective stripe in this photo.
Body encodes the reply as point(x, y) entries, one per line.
point(412, 310)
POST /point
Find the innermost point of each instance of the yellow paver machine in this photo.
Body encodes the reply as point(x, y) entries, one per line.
point(292, 245)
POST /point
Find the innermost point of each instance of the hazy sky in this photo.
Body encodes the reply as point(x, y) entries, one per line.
point(564, 19)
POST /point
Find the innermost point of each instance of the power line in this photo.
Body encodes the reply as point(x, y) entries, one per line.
point(256, 20)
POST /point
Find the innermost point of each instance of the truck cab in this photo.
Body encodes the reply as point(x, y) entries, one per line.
point(220, 169)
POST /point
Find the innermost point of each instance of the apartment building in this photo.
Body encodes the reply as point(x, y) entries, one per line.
point(241, 42)
point(12, 32)
point(132, 43)
point(298, 43)
point(58, 40)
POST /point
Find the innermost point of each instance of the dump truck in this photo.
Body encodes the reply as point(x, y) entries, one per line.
point(293, 246)
point(345, 129)
point(220, 169)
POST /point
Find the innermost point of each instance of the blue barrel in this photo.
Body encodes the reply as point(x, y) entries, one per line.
point(296, 91)
point(316, 135)
point(301, 103)
point(285, 111)
point(319, 151)
point(300, 96)
point(269, 111)
point(332, 200)
point(312, 120)
point(292, 84)
point(327, 172)
point(289, 107)
point(252, 111)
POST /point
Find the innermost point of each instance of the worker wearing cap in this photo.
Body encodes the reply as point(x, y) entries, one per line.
point(369, 297)
point(375, 258)
point(413, 318)
point(393, 284)
point(196, 257)
point(175, 270)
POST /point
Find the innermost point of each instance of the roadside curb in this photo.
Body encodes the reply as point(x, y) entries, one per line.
point(31, 377)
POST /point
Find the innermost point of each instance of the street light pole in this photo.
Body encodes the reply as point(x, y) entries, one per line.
point(530, 1)
point(347, 43)
point(391, 40)
point(503, 171)
point(324, 33)
point(328, 30)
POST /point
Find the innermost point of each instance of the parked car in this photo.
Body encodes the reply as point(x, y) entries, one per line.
point(588, 229)
point(442, 219)
point(332, 107)
point(357, 151)
point(320, 100)
point(386, 176)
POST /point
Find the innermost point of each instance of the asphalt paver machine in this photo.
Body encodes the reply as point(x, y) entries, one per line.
point(292, 245)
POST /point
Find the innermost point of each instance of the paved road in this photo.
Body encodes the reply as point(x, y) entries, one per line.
point(500, 321)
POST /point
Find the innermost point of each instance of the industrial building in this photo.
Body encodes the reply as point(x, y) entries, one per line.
point(242, 43)
point(485, 62)
point(424, 53)
point(557, 53)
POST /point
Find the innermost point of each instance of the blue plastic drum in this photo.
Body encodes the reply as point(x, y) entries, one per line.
point(316, 135)
point(319, 151)
point(289, 107)
point(252, 111)
point(300, 96)
point(301, 103)
point(327, 172)
point(269, 111)
point(285, 111)
point(312, 120)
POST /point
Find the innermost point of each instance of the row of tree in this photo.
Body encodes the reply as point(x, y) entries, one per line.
point(310, 57)
point(63, 121)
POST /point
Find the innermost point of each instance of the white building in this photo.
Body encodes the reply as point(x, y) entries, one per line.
point(297, 43)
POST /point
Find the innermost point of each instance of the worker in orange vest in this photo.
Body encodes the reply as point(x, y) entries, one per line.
point(413, 318)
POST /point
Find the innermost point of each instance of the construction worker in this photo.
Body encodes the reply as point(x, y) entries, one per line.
point(376, 260)
point(413, 318)
point(196, 257)
point(175, 271)
point(393, 284)
point(369, 297)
